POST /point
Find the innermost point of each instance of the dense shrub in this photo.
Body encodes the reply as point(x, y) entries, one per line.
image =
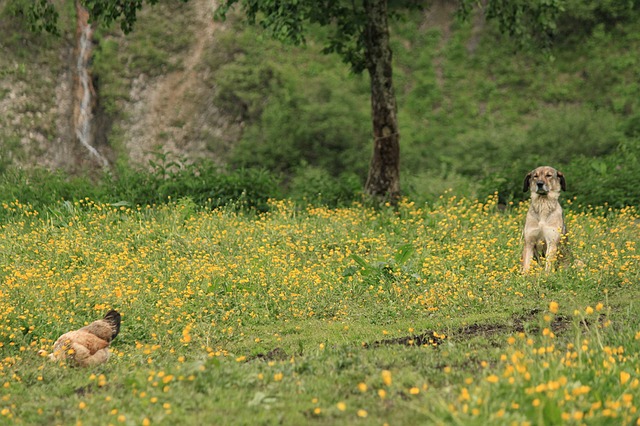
point(564, 133)
point(204, 184)
point(167, 180)
point(610, 179)
point(317, 186)
point(298, 131)
point(580, 17)
point(41, 187)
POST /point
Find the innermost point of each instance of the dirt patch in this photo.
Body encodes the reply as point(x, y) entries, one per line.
point(559, 324)
point(277, 354)
point(481, 330)
point(431, 338)
point(526, 322)
point(426, 338)
point(83, 390)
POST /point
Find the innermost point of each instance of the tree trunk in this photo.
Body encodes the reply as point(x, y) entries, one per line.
point(384, 171)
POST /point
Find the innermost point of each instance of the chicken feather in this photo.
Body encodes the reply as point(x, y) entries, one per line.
point(88, 345)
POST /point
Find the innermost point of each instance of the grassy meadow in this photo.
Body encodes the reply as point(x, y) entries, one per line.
point(412, 315)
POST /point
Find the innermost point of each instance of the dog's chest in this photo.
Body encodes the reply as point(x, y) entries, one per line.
point(540, 228)
point(543, 226)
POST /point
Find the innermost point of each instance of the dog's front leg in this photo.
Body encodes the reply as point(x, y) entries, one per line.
point(551, 255)
point(527, 256)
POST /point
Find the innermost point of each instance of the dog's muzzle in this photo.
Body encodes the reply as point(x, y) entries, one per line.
point(541, 188)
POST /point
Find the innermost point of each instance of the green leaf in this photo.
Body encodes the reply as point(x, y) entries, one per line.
point(404, 253)
point(360, 261)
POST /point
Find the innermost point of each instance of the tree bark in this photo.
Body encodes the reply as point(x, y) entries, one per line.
point(384, 170)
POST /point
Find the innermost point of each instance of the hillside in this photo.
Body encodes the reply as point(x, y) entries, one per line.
point(146, 85)
point(470, 100)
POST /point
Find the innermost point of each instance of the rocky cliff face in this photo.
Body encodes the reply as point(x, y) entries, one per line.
point(174, 112)
point(36, 108)
point(51, 111)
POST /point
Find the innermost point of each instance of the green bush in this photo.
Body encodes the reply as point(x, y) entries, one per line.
point(610, 179)
point(580, 17)
point(208, 186)
point(326, 131)
point(567, 132)
point(244, 88)
point(299, 109)
point(317, 186)
point(559, 138)
point(41, 187)
point(205, 184)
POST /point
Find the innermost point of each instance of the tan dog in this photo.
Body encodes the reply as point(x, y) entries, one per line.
point(544, 227)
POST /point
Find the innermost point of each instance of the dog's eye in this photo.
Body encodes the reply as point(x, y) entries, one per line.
point(549, 175)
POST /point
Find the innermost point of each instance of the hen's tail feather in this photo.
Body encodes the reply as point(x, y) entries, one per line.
point(113, 318)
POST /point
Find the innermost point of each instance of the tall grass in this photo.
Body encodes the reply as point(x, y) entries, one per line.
point(298, 315)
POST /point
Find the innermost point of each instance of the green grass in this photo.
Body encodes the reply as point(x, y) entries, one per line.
point(308, 316)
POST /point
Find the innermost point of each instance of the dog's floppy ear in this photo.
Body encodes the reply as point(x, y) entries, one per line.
point(527, 179)
point(563, 182)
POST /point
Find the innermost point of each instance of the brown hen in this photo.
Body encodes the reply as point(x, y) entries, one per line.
point(88, 345)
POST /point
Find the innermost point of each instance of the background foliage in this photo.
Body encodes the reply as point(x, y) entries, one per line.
point(477, 111)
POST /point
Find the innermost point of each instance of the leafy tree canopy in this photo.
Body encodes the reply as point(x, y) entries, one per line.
point(40, 15)
point(287, 21)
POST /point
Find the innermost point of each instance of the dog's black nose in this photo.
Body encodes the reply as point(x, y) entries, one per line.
point(540, 184)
